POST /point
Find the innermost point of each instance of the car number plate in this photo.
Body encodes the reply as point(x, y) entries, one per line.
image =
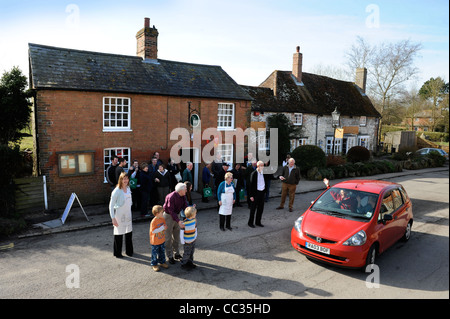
point(318, 248)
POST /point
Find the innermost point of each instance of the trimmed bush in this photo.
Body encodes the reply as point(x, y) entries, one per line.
point(309, 156)
point(358, 154)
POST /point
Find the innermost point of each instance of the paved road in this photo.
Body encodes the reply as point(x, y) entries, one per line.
point(243, 263)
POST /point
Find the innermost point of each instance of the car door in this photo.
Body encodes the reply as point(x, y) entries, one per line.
point(400, 214)
point(385, 227)
point(392, 227)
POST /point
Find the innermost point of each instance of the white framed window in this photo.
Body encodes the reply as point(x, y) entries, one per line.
point(227, 152)
point(297, 118)
point(108, 153)
point(362, 121)
point(225, 116)
point(116, 114)
point(364, 140)
point(337, 145)
point(298, 142)
point(263, 141)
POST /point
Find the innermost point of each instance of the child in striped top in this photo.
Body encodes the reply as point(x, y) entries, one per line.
point(188, 235)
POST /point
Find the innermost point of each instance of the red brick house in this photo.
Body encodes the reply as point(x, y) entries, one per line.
point(90, 105)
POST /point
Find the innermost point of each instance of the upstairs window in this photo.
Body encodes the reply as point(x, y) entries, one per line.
point(116, 114)
point(225, 116)
point(297, 118)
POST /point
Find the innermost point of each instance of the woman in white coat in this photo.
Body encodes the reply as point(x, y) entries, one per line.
point(226, 195)
point(120, 211)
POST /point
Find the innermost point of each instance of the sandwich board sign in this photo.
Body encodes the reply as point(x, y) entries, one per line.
point(69, 206)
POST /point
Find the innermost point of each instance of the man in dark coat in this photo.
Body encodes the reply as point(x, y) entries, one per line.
point(257, 193)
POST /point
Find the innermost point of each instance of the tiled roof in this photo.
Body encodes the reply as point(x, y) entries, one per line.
point(315, 95)
point(59, 68)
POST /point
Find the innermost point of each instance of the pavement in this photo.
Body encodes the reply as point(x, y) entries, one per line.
point(98, 215)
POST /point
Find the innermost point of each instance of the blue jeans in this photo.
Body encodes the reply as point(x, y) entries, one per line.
point(158, 254)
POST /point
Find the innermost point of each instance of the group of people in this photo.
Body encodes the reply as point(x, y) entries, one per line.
point(150, 182)
point(174, 221)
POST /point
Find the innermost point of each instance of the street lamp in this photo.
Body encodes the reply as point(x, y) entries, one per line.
point(335, 115)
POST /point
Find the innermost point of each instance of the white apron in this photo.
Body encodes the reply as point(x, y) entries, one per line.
point(227, 201)
point(124, 217)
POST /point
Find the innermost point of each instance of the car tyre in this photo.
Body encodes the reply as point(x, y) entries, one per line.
point(407, 234)
point(371, 256)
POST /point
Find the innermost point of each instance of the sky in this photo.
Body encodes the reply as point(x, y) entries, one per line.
point(249, 39)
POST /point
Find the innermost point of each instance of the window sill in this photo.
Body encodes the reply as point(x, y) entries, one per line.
point(117, 130)
point(226, 129)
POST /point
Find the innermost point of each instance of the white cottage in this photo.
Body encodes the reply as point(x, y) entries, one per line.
point(309, 99)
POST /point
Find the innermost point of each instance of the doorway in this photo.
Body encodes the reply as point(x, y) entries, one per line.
point(190, 154)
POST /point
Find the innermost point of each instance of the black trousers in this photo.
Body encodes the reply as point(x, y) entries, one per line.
point(118, 240)
point(258, 206)
point(145, 197)
point(222, 220)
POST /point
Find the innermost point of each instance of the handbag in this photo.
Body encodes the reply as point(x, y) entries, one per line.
point(207, 192)
point(178, 177)
point(242, 194)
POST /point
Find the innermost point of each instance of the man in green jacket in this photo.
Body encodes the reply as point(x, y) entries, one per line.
point(187, 174)
point(289, 177)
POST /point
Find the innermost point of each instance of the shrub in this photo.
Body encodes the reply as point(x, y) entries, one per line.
point(309, 156)
point(334, 160)
point(339, 171)
point(358, 154)
point(327, 173)
point(437, 158)
point(11, 160)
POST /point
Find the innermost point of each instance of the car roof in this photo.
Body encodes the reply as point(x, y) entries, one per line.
point(366, 185)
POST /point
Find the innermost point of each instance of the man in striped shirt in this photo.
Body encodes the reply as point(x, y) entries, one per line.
point(188, 237)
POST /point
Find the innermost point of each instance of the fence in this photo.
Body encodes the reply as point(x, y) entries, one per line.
point(31, 194)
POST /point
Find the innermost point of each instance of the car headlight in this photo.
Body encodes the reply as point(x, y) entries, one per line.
point(357, 239)
point(298, 224)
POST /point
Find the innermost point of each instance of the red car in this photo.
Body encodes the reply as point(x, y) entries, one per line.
point(352, 222)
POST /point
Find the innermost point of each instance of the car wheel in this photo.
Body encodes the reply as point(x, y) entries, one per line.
point(371, 256)
point(407, 234)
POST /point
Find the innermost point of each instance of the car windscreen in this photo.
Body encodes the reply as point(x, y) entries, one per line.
point(345, 203)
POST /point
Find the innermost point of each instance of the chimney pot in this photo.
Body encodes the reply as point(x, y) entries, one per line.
point(297, 65)
point(147, 41)
point(361, 78)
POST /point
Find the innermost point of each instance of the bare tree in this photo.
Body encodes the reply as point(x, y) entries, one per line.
point(333, 72)
point(359, 54)
point(389, 66)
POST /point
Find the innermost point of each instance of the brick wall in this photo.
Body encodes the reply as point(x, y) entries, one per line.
point(73, 121)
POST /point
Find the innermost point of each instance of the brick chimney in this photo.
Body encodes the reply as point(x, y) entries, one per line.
point(361, 78)
point(147, 41)
point(297, 65)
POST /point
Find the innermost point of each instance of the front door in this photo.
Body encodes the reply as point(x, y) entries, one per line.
point(190, 154)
